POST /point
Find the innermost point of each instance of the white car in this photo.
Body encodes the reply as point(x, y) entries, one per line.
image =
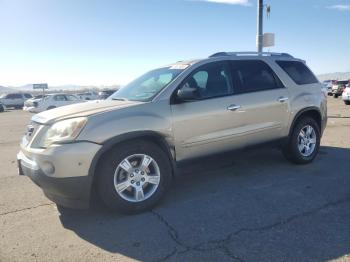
point(91, 95)
point(346, 95)
point(15, 100)
point(328, 84)
point(50, 101)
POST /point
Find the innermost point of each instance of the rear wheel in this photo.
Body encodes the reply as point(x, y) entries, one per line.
point(304, 142)
point(2, 109)
point(134, 176)
point(347, 103)
point(336, 96)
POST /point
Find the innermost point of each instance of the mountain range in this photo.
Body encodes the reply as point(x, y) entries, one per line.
point(334, 76)
point(29, 87)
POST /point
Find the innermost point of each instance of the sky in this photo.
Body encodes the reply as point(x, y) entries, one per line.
point(105, 42)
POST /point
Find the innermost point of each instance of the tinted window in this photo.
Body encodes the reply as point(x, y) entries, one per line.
point(298, 71)
point(60, 98)
point(27, 95)
point(14, 96)
point(211, 80)
point(253, 75)
point(342, 82)
point(10, 96)
point(71, 98)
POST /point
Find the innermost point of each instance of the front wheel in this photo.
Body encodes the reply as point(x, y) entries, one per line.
point(336, 96)
point(304, 142)
point(134, 176)
point(347, 103)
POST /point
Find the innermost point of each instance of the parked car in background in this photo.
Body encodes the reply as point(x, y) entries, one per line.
point(338, 87)
point(105, 94)
point(38, 96)
point(328, 84)
point(50, 101)
point(2, 108)
point(91, 95)
point(30, 101)
point(15, 100)
point(346, 95)
point(127, 148)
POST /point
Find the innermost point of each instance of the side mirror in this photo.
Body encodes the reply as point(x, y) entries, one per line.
point(186, 93)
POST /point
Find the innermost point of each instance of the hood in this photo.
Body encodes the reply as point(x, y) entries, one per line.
point(80, 110)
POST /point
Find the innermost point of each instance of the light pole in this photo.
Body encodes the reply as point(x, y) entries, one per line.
point(259, 36)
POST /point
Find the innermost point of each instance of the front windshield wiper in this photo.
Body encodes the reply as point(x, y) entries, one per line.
point(120, 99)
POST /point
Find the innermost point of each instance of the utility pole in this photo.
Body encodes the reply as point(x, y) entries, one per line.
point(259, 36)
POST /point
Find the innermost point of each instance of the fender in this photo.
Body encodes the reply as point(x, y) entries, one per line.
point(110, 143)
point(302, 111)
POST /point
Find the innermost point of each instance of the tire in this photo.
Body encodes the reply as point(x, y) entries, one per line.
point(50, 107)
point(336, 96)
point(347, 103)
point(110, 167)
point(2, 109)
point(291, 150)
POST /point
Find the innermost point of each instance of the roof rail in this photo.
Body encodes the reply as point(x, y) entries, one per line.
point(250, 54)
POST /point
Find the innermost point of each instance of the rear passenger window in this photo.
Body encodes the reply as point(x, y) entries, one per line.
point(298, 71)
point(16, 96)
point(60, 98)
point(253, 75)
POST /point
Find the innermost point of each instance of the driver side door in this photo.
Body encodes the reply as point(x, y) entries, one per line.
point(210, 122)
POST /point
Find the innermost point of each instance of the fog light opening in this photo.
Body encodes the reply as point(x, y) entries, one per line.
point(48, 168)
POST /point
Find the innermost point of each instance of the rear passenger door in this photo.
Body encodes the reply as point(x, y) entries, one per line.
point(262, 99)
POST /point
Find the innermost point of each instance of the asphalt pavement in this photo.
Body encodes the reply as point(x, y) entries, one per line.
point(250, 205)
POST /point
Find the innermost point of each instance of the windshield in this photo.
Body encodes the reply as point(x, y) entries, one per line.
point(146, 87)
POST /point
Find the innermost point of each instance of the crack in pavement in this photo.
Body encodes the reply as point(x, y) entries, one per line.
point(24, 209)
point(221, 244)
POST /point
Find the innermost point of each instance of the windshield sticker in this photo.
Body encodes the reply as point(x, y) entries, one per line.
point(182, 66)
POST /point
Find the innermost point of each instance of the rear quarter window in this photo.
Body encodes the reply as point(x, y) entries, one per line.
point(298, 71)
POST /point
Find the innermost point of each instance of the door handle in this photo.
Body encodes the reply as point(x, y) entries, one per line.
point(282, 99)
point(233, 107)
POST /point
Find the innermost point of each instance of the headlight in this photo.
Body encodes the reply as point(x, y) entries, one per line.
point(63, 131)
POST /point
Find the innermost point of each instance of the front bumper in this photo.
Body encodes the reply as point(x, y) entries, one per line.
point(31, 109)
point(62, 171)
point(346, 97)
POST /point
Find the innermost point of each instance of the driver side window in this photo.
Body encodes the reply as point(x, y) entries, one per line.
point(209, 81)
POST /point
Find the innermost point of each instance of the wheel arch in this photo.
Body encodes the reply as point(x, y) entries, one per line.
point(111, 143)
point(312, 112)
